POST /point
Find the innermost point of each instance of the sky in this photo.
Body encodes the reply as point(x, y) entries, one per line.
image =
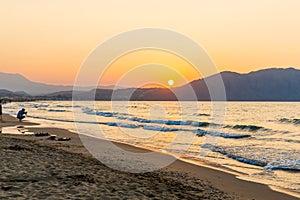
point(47, 41)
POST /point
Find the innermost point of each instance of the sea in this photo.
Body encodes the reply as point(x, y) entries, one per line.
point(257, 141)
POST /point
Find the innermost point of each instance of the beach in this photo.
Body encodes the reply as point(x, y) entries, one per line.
point(39, 168)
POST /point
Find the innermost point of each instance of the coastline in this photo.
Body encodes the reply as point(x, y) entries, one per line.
point(213, 182)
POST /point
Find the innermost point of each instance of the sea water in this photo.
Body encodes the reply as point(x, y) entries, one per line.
point(259, 141)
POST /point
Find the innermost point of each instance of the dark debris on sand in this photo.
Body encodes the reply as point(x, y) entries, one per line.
point(42, 172)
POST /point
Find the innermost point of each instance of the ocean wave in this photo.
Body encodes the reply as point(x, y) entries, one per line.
point(150, 128)
point(293, 165)
point(158, 121)
point(59, 120)
point(251, 128)
point(278, 140)
point(67, 106)
point(201, 114)
point(200, 133)
point(138, 119)
point(162, 129)
point(41, 105)
point(122, 125)
point(125, 116)
point(170, 122)
point(34, 105)
point(291, 121)
point(89, 111)
point(105, 114)
point(235, 157)
point(122, 117)
point(263, 160)
point(56, 110)
point(246, 160)
point(41, 109)
point(116, 124)
point(177, 122)
point(200, 124)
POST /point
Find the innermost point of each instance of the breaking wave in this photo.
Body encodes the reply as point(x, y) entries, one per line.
point(162, 129)
point(89, 111)
point(201, 114)
point(56, 110)
point(200, 133)
point(290, 121)
point(251, 128)
point(265, 161)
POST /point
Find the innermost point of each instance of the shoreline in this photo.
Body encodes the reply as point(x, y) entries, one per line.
point(223, 181)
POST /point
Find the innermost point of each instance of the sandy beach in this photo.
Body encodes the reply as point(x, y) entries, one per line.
point(39, 168)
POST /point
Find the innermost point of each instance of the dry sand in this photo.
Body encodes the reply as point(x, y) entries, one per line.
point(38, 168)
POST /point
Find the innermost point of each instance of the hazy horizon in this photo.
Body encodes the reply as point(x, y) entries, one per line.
point(146, 86)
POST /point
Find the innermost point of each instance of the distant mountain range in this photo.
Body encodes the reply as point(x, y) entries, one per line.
point(274, 84)
point(17, 82)
point(7, 93)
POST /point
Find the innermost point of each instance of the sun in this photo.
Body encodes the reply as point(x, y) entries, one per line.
point(170, 82)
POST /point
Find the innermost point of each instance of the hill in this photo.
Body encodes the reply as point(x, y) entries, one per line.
point(275, 84)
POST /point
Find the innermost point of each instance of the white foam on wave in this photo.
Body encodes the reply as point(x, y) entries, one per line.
point(201, 132)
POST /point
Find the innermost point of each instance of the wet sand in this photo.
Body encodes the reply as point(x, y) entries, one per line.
point(38, 168)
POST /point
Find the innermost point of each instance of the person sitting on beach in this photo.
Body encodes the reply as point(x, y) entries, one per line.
point(21, 114)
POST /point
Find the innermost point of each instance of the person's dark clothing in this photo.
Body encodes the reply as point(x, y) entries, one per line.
point(21, 114)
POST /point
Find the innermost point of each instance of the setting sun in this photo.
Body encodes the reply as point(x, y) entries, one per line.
point(170, 82)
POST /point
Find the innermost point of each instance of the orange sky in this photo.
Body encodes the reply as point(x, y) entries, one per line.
point(149, 66)
point(47, 41)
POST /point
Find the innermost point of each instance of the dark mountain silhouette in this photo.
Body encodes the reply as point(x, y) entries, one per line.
point(275, 84)
point(17, 82)
point(6, 93)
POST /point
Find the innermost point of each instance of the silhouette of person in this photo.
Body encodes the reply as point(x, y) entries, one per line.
point(21, 114)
